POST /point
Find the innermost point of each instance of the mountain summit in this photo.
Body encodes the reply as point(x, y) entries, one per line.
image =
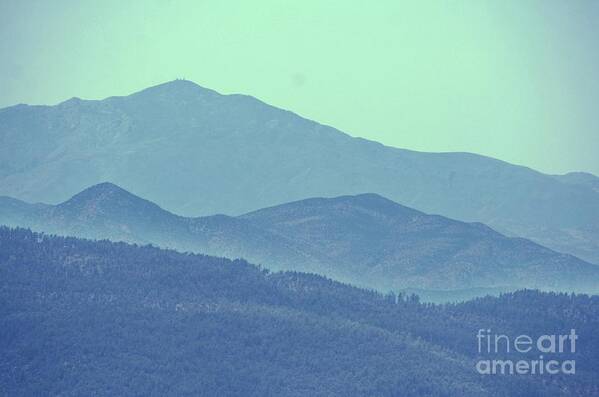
point(196, 152)
point(107, 196)
point(179, 89)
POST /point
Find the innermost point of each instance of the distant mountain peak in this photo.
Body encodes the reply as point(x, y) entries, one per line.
point(370, 198)
point(74, 99)
point(107, 201)
point(104, 187)
point(178, 87)
point(179, 84)
point(368, 201)
point(71, 103)
point(105, 192)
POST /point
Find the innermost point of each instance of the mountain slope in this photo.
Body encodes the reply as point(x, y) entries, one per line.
point(100, 318)
point(365, 240)
point(197, 152)
point(83, 318)
point(377, 242)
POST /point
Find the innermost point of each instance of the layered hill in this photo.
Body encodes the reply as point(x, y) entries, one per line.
point(365, 240)
point(385, 244)
point(197, 152)
point(100, 318)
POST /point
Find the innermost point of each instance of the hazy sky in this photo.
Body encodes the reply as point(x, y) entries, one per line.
point(513, 79)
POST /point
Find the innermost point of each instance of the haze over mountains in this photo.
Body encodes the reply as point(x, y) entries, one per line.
point(83, 318)
point(196, 152)
point(365, 240)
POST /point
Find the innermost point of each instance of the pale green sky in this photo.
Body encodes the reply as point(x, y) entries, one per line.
point(513, 79)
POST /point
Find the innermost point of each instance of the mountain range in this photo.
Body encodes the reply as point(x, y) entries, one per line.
point(366, 240)
point(196, 152)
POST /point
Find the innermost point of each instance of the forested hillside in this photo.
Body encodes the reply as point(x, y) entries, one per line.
point(79, 317)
